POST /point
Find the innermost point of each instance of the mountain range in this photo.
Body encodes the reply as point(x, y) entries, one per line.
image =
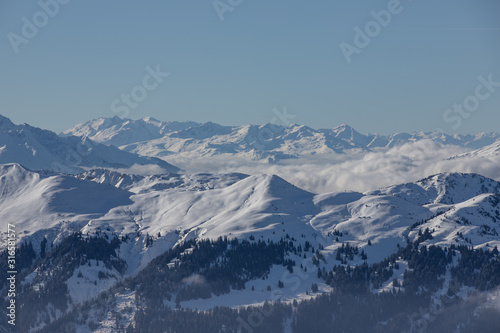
point(101, 248)
point(270, 142)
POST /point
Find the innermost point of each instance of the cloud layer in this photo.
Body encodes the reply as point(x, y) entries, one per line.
point(356, 171)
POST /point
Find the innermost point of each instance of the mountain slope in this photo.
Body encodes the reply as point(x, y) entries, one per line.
point(41, 149)
point(58, 204)
point(446, 188)
point(489, 151)
point(473, 222)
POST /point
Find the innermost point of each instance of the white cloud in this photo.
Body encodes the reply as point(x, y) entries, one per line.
point(194, 279)
point(358, 171)
point(142, 170)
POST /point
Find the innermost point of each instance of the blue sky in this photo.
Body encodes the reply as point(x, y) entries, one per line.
point(263, 55)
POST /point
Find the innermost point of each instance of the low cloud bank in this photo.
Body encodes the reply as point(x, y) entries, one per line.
point(357, 171)
point(142, 170)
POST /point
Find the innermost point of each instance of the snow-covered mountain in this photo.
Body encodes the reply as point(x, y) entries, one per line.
point(54, 203)
point(272, 142)
point(210, 205)
point(198, 205)
point(36, 148)
point(144, 217)
point(118, 132)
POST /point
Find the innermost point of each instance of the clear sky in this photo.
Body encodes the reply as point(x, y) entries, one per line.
point(87, 55)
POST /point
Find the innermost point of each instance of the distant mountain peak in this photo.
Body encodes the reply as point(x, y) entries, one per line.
point(344, 131)
point(343, 127)
point(151, 119)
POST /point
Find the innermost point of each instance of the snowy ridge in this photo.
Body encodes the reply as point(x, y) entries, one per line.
point(486, 152)
point(138, 183)
point(447, 188)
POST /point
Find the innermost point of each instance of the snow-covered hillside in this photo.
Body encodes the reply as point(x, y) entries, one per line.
point(36, 148)
point(446, 188)
point(55, 204)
